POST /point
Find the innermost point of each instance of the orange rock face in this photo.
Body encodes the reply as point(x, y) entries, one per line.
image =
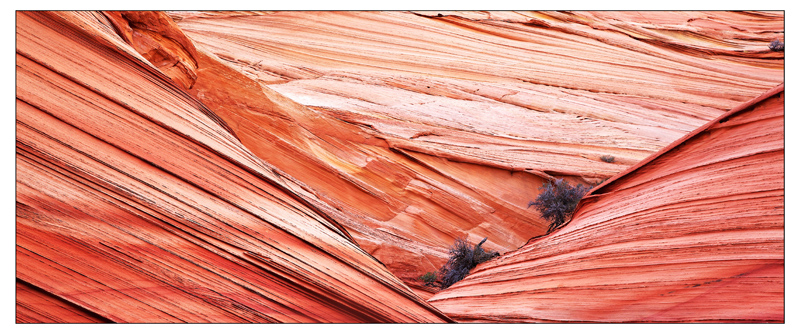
point(156, 37)
point(135, 203)
point(421, 128)
point(694, 233)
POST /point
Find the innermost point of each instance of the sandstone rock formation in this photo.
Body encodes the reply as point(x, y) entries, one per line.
point(35, 305)
point(423, 128)
point(136, 203)
point(695, 233)
point(291, 166)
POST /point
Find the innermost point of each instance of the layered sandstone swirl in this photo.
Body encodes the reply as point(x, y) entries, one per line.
point(326, 166)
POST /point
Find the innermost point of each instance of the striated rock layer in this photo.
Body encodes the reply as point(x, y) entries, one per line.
point(424, 127)
point(255, 167)
point(136, 203)
point(694, 233)
point(35, 305)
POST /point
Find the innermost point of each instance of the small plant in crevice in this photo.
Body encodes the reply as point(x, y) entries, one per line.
point(776, 45)
point(463, 258)
point(429, 278)
point(600, 182)
point(607, 158)
point(557, 201)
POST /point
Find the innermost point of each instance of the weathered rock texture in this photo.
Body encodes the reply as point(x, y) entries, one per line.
point(253, 166)
point(136, 203)
point(423, 128)
point(694, 233)
point(35, 305)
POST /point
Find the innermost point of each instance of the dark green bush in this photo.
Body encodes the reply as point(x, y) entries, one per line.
point(557, 201)
point(462, 259)
point(429, 278)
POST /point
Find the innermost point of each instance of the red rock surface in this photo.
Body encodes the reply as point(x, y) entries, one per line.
point(423, 128)
point(695, 233)
point(156, 37)
point(136, 203)
point(35, 305)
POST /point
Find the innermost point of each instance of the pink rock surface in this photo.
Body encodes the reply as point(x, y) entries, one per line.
point(291, 166)
point(694, 233)
point(136, 203)
point(423, 128)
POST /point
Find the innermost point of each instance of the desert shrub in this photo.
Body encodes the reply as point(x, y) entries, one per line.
point(607, 158)
point(599, 182)
point(429, 278)
point(557, 201)
point(776, 45)
point(462, 259)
